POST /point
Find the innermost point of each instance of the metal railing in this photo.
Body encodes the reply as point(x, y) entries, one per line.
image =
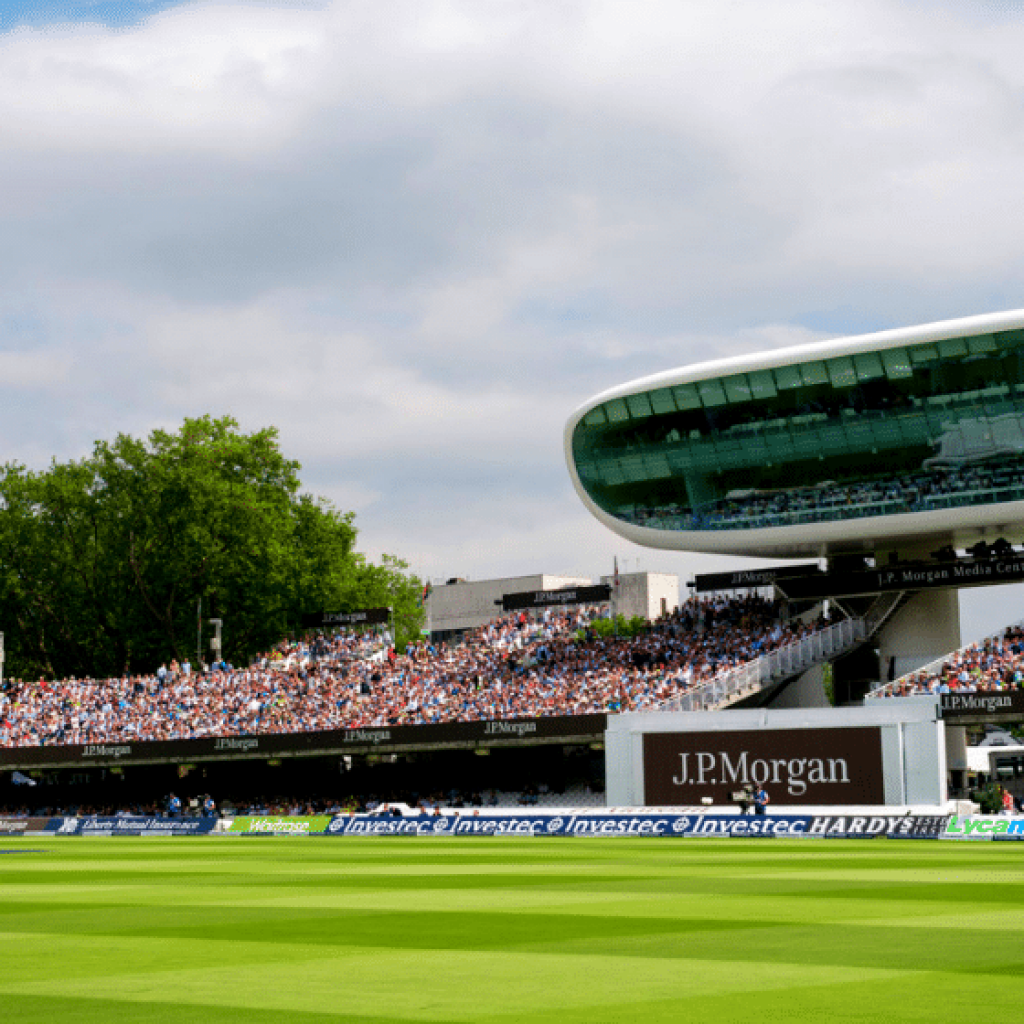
point(769, 668)
point(933, 668)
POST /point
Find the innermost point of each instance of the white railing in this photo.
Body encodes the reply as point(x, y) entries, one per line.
point(933, 668)
point(769, 668)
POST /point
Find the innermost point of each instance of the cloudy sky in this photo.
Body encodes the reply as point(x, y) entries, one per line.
point(414, 235)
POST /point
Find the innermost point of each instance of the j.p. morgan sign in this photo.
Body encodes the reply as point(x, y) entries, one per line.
point(795, 766)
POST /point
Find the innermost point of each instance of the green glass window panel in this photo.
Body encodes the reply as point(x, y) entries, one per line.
point(639, 406)
point(711, 392)
point(807, 443)
point(981, 343)
point(833, 440)
point(595, 418)
point(617, 411)
point(787, 377)
point(662, 402)
point(953, 348)
point(761, 384)
point(657, 466)
point(813, 373)
point(921, 354)
point(1009, 339)
point(886, 433)
point(737, 389)
point(686, 396)
point(897, 363)
point(858, 434)
point(868, 366)
point(841, 372)
point(633, 468)
point(613, 475)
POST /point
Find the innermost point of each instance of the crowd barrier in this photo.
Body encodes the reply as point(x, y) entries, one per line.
point(582, 825)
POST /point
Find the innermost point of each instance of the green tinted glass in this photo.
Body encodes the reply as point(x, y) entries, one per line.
point(897, 363)
point(639, 406)
point(662, 402)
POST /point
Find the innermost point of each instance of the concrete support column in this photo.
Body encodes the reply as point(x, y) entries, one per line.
point(956, 757)
point(924, 629)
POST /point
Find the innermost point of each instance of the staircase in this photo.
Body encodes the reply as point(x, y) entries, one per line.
point(743, 680)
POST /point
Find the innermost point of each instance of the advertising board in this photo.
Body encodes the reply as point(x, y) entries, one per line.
point(819, 767)
point(10, 826)
point(392, 737)
point(280, 826)
point(577, 825)
point(129, 825)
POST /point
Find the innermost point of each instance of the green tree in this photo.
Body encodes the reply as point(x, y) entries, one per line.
point(103, 562)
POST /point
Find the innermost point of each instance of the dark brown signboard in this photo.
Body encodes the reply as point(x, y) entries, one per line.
point(364, 617)
point(385, 737)
point(795, 766)
point(21, 826)
point(982, 706)
point(905, 576)
point(742, 579)
point(545, 598)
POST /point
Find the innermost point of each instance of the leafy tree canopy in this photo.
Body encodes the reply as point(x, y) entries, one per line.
point(103, 562)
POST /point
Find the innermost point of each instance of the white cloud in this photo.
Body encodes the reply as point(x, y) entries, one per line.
point(416, 235)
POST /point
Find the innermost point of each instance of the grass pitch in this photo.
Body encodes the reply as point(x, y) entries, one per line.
point(499, 930)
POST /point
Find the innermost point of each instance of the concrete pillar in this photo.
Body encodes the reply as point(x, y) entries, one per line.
point(924, 629)
point(956, 757)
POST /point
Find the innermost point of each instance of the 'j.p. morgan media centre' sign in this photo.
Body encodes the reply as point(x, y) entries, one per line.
point(795, 766)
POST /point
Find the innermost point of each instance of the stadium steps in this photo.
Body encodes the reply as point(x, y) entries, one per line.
point(770, 670)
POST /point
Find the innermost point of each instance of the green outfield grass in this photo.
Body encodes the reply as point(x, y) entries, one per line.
point(374, 930)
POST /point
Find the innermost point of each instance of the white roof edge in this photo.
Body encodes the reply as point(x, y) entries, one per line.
point(772, 358)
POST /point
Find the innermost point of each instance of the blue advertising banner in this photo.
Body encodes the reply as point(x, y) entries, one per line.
point(130, 825)
point(573, 825)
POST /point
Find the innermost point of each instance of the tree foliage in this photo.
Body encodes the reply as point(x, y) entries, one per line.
point(103, 562)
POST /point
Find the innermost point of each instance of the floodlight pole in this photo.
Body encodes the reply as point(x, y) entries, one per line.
point(215, 645)
point(1, 659)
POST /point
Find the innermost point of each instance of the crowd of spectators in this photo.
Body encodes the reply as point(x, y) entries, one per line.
point(552, 664)
point(995, 664)
point(923, 491)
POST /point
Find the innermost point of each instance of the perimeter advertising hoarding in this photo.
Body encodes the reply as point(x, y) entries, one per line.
point(22, 826)
point(271, 825)
point(594, 825)
point(130, 825)
point(819, 767)
point(578, 825)
point(389, 737)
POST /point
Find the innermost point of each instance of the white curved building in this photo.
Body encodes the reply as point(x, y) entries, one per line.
point(905, 439)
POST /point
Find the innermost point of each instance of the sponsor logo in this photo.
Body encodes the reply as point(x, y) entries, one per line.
point(581, 825)
point(976, 701)
point(280, 826)
point(978, 827)
point(227, 743)
point(809, 766)
point(13, 826)
point(101, 750)
point(707, 767)
point(510, 728)
point(373, 736)
point(904, 825)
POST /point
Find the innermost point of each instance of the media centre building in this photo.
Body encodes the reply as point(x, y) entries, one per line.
point(895, 460)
